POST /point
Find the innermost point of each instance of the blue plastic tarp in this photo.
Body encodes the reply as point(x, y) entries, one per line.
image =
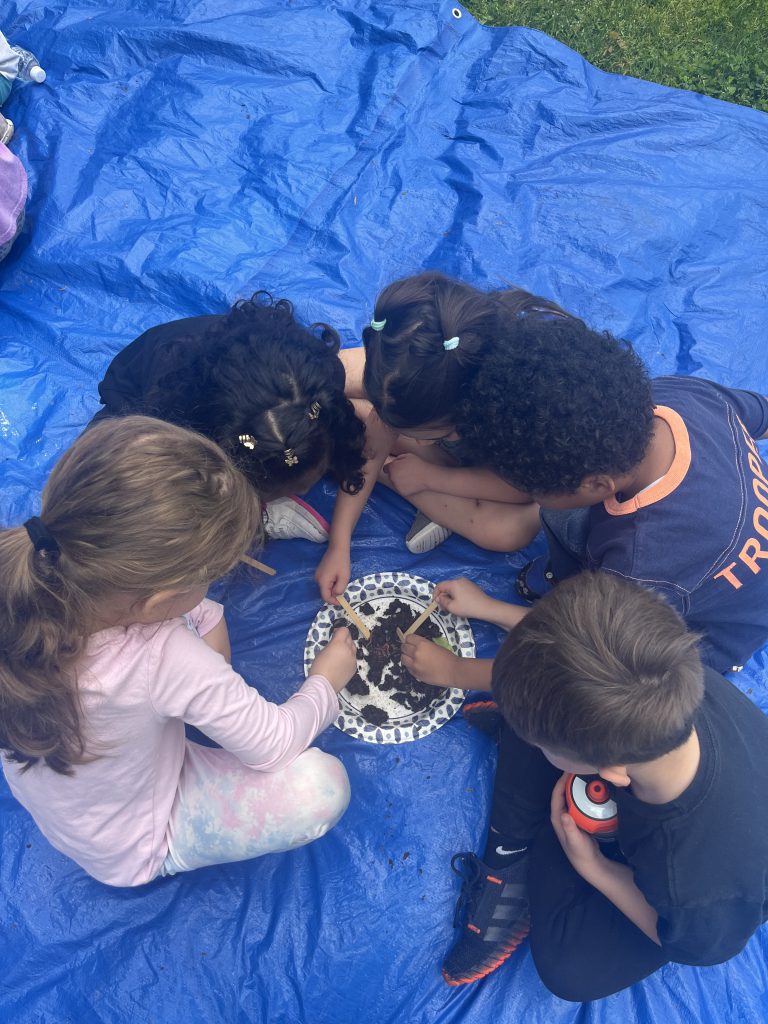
point(185, 153)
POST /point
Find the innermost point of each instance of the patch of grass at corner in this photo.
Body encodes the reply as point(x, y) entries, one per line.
point(718, 47)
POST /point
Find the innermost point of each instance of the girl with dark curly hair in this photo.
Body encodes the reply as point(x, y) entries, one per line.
point(266, 389)
point(428, 336)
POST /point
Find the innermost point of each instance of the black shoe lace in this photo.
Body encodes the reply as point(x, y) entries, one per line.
point(469, 868)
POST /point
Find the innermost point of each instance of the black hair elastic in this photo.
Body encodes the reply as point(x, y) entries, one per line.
point(41, 536)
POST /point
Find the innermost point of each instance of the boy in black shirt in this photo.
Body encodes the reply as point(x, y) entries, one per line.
point(602, 676)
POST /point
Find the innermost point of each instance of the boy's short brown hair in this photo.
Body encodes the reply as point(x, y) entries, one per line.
point(602, 669)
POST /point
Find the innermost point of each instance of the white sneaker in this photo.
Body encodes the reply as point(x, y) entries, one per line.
point(6, 129)
point(286, 518)
point(425, 535)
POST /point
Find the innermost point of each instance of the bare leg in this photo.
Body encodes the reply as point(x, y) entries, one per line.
point(493, 525)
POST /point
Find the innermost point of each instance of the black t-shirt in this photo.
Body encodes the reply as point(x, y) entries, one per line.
point(701, 861)
point(135, 370)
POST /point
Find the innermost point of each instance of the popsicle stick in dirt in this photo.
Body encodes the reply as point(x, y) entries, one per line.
point(431, 607)
point(352, 615)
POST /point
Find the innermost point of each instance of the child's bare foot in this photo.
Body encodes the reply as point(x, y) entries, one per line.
point(6, 129)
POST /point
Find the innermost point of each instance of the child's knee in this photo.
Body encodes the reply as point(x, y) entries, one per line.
point(500, 527)
point(325, 791)
point(561, 980)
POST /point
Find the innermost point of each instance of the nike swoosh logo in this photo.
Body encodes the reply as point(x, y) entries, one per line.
point(508, 853)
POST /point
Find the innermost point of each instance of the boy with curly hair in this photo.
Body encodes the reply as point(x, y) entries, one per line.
point(602, 676)
point(659, 481)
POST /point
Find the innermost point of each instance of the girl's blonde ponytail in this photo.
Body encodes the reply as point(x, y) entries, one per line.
point(136, 506)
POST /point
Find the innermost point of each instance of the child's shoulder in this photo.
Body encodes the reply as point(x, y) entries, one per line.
point(732, 711)
point(701, 399)
point(125, 653)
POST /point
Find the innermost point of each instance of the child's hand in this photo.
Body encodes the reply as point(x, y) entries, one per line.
point(581, 849)
point(407, 474)
point(338, 659)
point(462, 597)
point(429, 662)
point(332, 574)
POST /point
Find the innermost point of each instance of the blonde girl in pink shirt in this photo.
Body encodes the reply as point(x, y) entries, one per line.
point(108, 646)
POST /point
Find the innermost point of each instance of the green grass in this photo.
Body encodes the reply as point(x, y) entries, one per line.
point(718, 47)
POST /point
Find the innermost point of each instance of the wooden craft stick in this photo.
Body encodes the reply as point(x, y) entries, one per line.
point(400, 635)
point(353, 616)
point(258, 565)
point(431, 607)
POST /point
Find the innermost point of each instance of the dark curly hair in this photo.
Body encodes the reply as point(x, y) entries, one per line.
point(554, 402)
point(258, 374)
point(410, 378)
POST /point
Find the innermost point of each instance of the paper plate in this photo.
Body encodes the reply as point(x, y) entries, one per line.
point(402, 725)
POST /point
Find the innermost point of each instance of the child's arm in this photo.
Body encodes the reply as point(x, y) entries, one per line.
point(410, 474)
point(463, 597)
point(195, 684)
point(218, 640)
point(615, 881)
point(207, 620)
point(433, 664)
point(332, 573)
point(353, 361)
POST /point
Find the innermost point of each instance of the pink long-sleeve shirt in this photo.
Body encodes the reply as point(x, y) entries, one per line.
point(139, 685)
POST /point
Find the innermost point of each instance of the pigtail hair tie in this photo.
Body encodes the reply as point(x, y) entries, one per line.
point(41, 537)
point(451, 344)
point(378, 325)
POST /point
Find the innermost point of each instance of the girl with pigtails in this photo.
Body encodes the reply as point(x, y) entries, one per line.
point(108, 646)
point(267, 390)
point(428, 335)
point(281, 401)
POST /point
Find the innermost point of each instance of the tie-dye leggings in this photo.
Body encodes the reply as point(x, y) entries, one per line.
point(226, 812)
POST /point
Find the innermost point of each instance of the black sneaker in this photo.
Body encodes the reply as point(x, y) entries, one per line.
point(485, 716)
point(494, 906)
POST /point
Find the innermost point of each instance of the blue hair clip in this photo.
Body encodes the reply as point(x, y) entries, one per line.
point(451, 344)
point(378, 325)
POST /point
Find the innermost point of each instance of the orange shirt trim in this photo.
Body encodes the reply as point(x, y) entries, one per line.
point(671, 479)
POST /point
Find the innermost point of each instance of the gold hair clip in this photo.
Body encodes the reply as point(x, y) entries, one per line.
point(314, 410)
point(247, 441)
point(291, 458)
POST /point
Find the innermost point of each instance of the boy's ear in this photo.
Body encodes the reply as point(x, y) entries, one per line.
point(599, 485)
point(616, 775)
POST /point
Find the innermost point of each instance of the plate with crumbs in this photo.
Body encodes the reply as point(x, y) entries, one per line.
point(383, 702)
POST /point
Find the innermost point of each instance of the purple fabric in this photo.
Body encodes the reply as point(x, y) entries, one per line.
point(13, 195)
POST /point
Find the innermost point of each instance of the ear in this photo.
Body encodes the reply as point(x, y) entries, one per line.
point(598, 486)
point(150, 606)
point(616, 775)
